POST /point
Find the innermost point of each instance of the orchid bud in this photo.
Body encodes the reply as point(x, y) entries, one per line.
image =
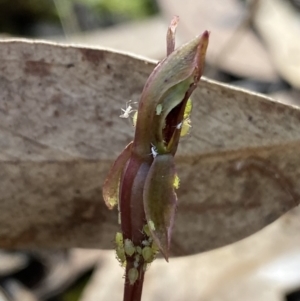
point(143, 179)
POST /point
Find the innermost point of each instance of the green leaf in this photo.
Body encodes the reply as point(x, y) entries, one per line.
point(167, 87)
point(112, 182)
point(160, 201)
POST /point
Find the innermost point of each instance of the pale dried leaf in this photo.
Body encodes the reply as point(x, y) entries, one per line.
point(3, 297)
point(126, 37)
point(63, 271)
point(277, 21)
point(60, 132)
point(12, 262)
point(17, 291)
point(264, 266)
point(289, 97)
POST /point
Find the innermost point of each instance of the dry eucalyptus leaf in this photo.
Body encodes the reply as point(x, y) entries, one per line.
point(289, 97)
point(264, 266)
point(60, 132)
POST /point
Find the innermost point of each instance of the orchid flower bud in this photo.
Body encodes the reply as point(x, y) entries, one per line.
point(143, 179)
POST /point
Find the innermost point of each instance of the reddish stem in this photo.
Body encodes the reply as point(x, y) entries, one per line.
point(133, 219)
point(133, 292)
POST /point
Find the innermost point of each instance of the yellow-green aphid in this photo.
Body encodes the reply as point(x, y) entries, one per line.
point(151, 225)
point(185, 127)
point(121, 255)
point(136, 260)
point(146, 230)
point(138, 250)
point(119, 239)
point(120, 248)
point(176, 182)
point(147, 254)
point(129, 247)
point(134, 118)
point(133, 275)
point(159, 109)
point(188, 109)
point(155, 248)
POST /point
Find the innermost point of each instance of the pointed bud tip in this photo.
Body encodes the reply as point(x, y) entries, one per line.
point(174, 22)
point(165, 254)
point(204, 37)
point(206, 34)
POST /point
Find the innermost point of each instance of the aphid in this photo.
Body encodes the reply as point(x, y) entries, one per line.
point(185, 126)
point(151, 225)
point(188, 109)
point(154, 151)
point(127, 110)
point(138, 250)
point(133, 275)
point(119, 239)
point(129, 247)
point(147, 254)
point(176, 182)
point(145, 242)
point(121, 255)
point(136, 260)
point(159, 109)
point(154, 248)
point(134, 118)
point(120, 248)
point(146, 230)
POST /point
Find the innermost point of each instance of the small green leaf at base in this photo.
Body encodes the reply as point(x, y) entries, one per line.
point(160, 201)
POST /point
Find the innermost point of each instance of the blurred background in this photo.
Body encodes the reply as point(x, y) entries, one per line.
point(254, 45)
point(42, 18)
